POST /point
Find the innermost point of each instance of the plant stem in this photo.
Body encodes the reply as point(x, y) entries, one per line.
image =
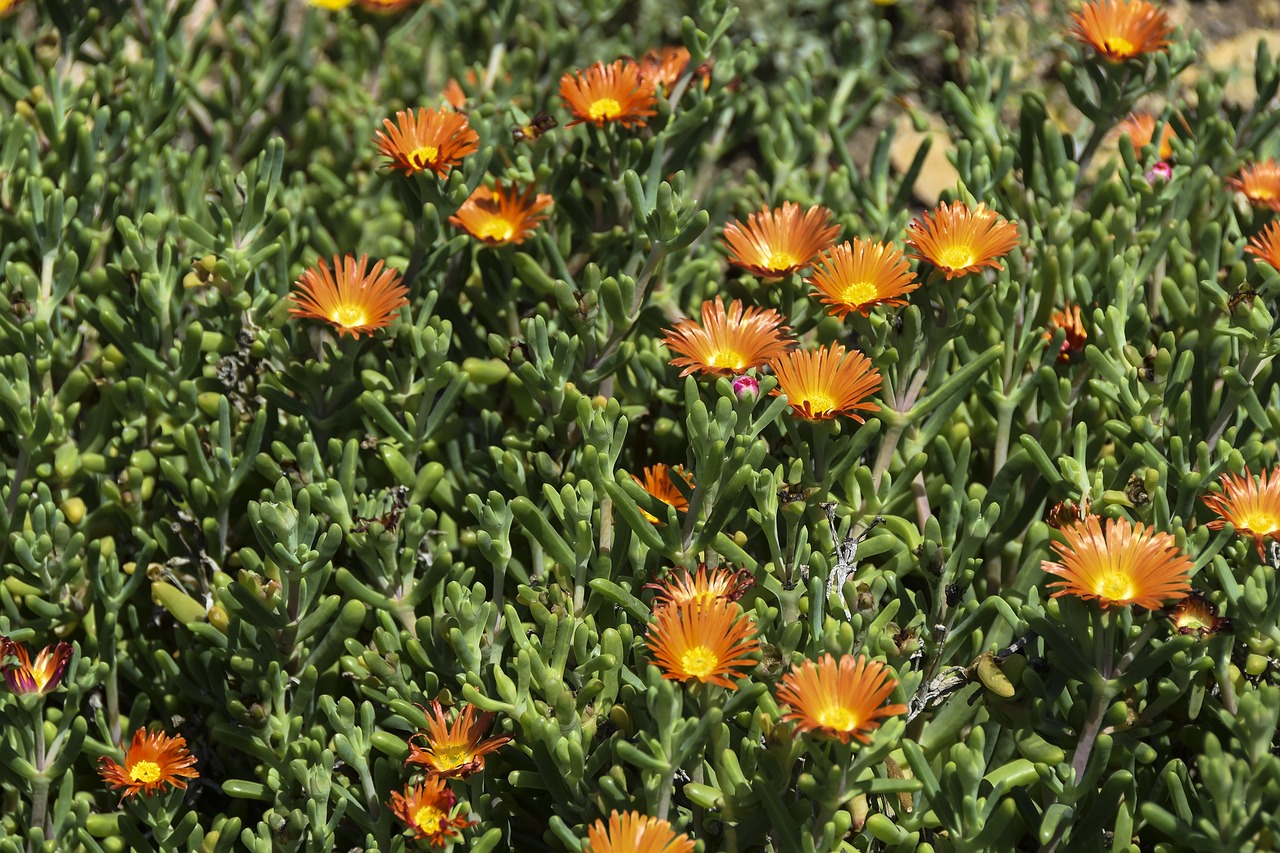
point(40, 787)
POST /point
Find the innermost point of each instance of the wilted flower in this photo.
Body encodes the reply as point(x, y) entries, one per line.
point(350, 297)
point(825, 383)
point(708, 642)
point(1066, 512)
point(1122, 29)
point(1125, 564)
point(1140, 127)
point(774, 243)
point(745, 385)
point(152, 761)
point(426, 809)
point(1260, 183)
point(657, 482)
point(501, 215)
point(435, 140)
point(632, 832)
point(839, 700)
point(1265, 245)
point(609, 94)
point(859, 275)
point(1252, 506)
point(43, 676)
point(1068, 319)
point(454, 750)
point(1196, 615)
point(958, 239)
point(684, 588)
point(728, 342)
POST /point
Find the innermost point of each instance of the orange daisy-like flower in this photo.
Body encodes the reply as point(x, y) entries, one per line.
point(427, 810)
point(152, 761)
point(1122, 29)
point(602, 94)
point(657, 482)
point(1140, 127)
point(839, 700)
point(349, 297)
point(1068, 319)
point(959, 240)
point(1266, 244)
point(453, 94)
point(685, 589)
point(775, 243)
point(727, 343)
point(456, 750)
point(663, 65)
point(501, 216)
point(1260, 183)
point(709, 642)
point(824, 383)
point(632, 832)
point(433, 139)
point(43, 676)
point(1125, 564)
point(859, 275)
point(1252, 506)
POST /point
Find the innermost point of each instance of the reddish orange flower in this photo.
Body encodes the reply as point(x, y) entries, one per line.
point(384, 7)
point(632, 832)
point(1140, 127)
point(663, 66)
point(1125, 564)
point(43, 676)
point(456, 750)
point(1265, 245)
point(501, 216)
point(775, 243)
point(1068, 319)
point(1252, 506)
point(839, 700)
point(658, 482)
point(1122, 29)
point(454, 95)
point(602, 94)
point(859, 275)
point(685, 589)
point(1260, 183)
point(826, 383)
point(427, 810)
point(959, 240)
point(349, 297)
point(434, 140)
point(152, 761)
point(708, 642)
point(727, 343)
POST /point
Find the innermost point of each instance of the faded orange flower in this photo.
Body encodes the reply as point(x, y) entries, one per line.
point(42, 677)
point(603, 94)
point(827, 382)
point(839, 700)
point(684, 589)
point(1252, 506)
point(1265, 245)
point(434, 140)
point(453, 94)
point(1140, 127)
point(664, 65)
point(1260, 183)
point(708, 642)
point(859, 275)
point(427, 810)
point(501, 215)
point(1122, 29)
point(454, 750)
point(1124, 564)
point(728, 342)
point(152, 761)
point(775, 243)
point(958, 239)
point(632, 832)
point(350, 297)
point(658, 482)
point(1068, 319)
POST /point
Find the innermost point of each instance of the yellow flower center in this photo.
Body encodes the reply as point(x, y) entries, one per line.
point(837, 718)
point(348, 315)
point(779, 259)
point(453, 757)
point(699, 661)
point(727, 358)
point(859, 293)
point(604, 108)
point(423, 156)
point(1259, 521)
point(496, 229)
point(145, 772)
point(819, 402)
point(1262, 194)
point(428, 819)
point(1114, 585)
point(957, 257)
point(1119, 46)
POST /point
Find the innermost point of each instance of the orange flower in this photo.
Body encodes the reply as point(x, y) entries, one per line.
point(860, 275)
point(434, 139)
point(657, 482)
point(604, 94)
point(1122, 29)
point(839, 700)
point(501, 216)
point(349, 298)
point(426, 808)
point(709, 642)
point(152, 761)
point(822, 384)
point(958, 240)
point(1260, 182)
point(728, 343)
point(778, 242)
point(663, 66)
point(1068, 319)
point(456, 750)
point(1266, 244)
point(384, 7)
point(43, 676)
point(1252, 506)
point(1126, 564)
point(632, 832)
point(1140, 127)
point(685, 589)
point(454, 95)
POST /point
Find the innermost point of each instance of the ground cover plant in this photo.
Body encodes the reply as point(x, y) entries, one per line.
point(604, 426)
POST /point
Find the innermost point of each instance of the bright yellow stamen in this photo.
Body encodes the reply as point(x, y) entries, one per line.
point(145, 771)
point(495, 228)
point(423, 156)
point(1259, 522)
point(727, 358)
point(838, 718)
point(1120, 46)
point(1262, 194)
point(428, 819)
point(699, 661)
point(605, 108)
point(779, 259)
point(453, 757)
point(819, 401)
point(1115, 585)
point(859, 293)
point(349, 316)
point(957, 257)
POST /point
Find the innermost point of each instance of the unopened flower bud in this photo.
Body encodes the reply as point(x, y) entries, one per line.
point(745, 385)
point(1161, 171)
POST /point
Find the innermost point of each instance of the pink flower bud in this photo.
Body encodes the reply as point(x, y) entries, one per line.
point(744, 385)
point(1161, 171)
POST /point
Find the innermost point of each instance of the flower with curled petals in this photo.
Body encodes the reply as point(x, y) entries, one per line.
point(501, 215)
point(617, 93)
point(683, 588)
point(1251, 505)
point(152, 762)
point(41, 677)
point(433, 140)
point(427, 811)
point(1265, 245)
point(454, 750)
